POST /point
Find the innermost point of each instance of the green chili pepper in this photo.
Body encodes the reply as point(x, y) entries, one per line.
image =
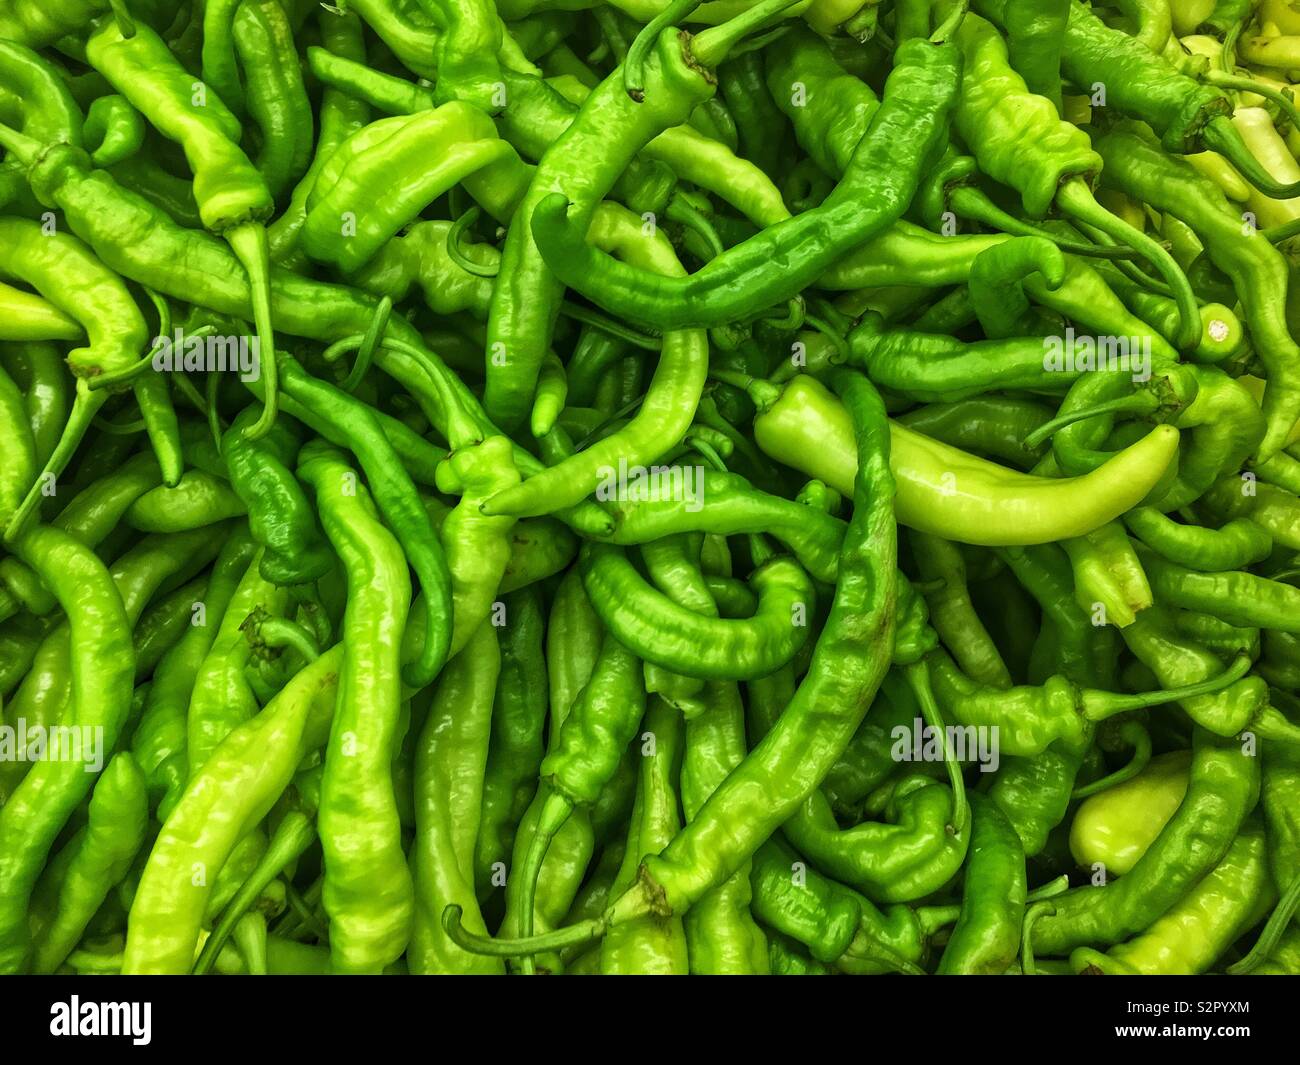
point(1236, 545)
point(910, 855)
point(949, 493)
point(450, 757)
point(340, 116)
point(729, 505)
point(159, 741)
point(104, 851)
point(650, 944)
point(952, 613)
point(279, 516)
point(660, 631)
point(664, 415)
point(274, 93)
point(396, 499)
point(516, 748)
point(64, 270)
point(1255, 267)
point(477, 545)
point(1030, 719)
point(345, 227)
point(698, 858)
point(609, 129)
point(836, 925)
point(943, 369)
point(582, 758)
point(245, 775)
point(986, 938)
point(993, 426)
point(1035, 34)
point(1114, 829)
point(221, 697)
point(368, 893)
point(721, 936)
point(1020, 140)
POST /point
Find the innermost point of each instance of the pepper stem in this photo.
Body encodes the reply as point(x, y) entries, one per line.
point(125, 376)
point(555, 811)
point(26, 149)
point(293, 836)
point(85, 408)
point(122, 16)
point(636, 902)
point(1270, 724)
point(1050, 890)
point(713, 45)
point(918, 678)
point(249, 243)
point(866, 948)
point(950, 25)
point(1273, 929)
point(932, 918)
point(1099, 705)
point(1140, 740)
point(634, 63)
point(572, 936)
point(735, 378)
point(1220, 135)
point(1039, 909)
point(1137, 403)
point(764, 394)
point(972, 203)
point(1077, 201)
point(1285, 231)
point(1229, 81)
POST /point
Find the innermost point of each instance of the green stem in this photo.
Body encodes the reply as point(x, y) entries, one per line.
point(1077, 201)
point(918, 678)
point(1220, 135)
point(249, 243)
point(1137, 403)
point(1277, 924)
point(457, 255)
point(1039, 909)
point(292, 837)
point(1117, 704)
point(1050, 890)
point(572, 936)
point(85, 408)
point(593, 318)
point(1140, 740)
point(555, 811)
point(369, 342)
point(713, 45)
point(278, 633)
point(1284, 103)
point(972, 204)
point(951, 24)
point(634, 64)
